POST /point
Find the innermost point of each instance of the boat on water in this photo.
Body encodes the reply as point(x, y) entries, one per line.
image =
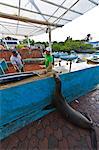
point(93, 61)
point(30, 99)
point(59, 54)
point(96, 55)
point(69, 57)
point(66, 56)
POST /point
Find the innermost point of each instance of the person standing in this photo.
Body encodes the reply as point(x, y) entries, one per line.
point(17, 61)
point(48, 59)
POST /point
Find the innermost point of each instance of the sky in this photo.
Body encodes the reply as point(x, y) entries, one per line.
point(77, 29)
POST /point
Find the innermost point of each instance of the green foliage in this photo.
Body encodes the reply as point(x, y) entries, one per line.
point(20, 46)
point(25, 41)
point(86, 46)
point(56, 47)
point(70, 45)
point(67, 45)
point(31, 42)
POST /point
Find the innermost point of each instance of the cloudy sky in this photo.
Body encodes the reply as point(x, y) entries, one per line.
point(77, 29)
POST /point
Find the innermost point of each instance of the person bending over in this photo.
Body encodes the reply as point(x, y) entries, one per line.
point(16, 61)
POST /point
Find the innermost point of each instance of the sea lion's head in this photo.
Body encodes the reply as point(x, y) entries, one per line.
point(58, 82)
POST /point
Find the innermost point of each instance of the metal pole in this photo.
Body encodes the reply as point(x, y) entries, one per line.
point(70, 66)
point(27, 10)
point(49, 32)
point(28, 20)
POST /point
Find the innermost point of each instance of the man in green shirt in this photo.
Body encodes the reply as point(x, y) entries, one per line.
point(48, 59)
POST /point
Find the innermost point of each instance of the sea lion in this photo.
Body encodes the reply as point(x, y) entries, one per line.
point(72, 115)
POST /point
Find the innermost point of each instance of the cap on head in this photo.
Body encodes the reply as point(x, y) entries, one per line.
point(14, 51)
point(48, 49)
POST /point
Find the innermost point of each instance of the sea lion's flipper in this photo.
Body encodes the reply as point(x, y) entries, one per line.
point(87, 116)
point(83, 113)
point(93, 139)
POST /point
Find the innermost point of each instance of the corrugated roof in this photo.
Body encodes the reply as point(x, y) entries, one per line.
point(32, 17)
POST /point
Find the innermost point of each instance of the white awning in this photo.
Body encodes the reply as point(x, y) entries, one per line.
point(33, 17)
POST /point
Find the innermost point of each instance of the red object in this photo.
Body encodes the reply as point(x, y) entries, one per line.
point(25, 53)
point(27, 67)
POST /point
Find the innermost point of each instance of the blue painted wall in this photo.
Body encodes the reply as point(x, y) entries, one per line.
point(24, 103)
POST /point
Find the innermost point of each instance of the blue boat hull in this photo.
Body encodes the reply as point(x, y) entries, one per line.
point(68, 58)
point(22, 104)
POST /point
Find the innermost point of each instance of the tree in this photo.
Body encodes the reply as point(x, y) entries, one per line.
point(70, 45)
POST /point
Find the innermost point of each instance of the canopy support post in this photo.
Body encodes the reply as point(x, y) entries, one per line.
point(49, 32)
point(70, 66)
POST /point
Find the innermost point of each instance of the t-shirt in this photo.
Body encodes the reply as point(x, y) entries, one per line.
point(16, 60)
point(48, 59)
